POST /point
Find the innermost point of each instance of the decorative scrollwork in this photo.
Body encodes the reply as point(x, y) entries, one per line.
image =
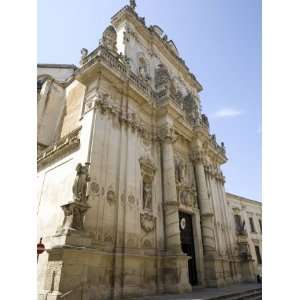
point(147, 222)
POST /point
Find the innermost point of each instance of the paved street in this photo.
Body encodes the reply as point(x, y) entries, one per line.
point(203, 293)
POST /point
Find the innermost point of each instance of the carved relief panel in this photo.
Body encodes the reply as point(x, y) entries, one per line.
point(186, 189)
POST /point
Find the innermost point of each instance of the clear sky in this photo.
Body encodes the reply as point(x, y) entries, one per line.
point(220, 41)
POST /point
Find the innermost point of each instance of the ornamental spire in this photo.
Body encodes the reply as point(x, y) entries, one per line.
point(132, 4)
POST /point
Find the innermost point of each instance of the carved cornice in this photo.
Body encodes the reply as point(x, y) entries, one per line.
point(104, 105)
point(214, 172)
point(64, 146)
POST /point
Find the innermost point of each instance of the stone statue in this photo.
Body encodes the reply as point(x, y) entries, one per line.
point(205, 120)
point(147, 195)
point(180, 171)
point(80, 183)
point(142, 71)
point(84, 53)
point(132, 4)
point(109, 38)
point(223, 146)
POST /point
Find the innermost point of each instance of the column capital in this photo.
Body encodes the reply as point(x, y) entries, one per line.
point(167, 134)
point(197, 156)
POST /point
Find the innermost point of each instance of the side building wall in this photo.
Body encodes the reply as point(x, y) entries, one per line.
point(248, 209)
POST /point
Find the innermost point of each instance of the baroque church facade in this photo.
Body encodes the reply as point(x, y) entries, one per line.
point(131, 197)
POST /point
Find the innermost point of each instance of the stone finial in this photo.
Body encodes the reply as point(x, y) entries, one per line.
point(132, 4)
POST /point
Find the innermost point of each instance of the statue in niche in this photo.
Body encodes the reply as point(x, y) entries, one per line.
point(80, 183)
point(147, 195)
point(180, 171)
point(142, 69)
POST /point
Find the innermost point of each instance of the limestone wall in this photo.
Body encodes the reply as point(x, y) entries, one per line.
point(74, 95)
point(247, 208)
point(58, 72)
point(50, 111)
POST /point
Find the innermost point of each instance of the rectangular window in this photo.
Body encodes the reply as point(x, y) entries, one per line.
point(260, 225)
point(252, 225)
point(258, 256)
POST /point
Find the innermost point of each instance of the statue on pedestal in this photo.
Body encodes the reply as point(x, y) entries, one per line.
point(74, 211)
point(80, 183)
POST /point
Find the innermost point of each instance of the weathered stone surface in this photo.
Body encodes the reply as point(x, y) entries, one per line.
point(123, 147)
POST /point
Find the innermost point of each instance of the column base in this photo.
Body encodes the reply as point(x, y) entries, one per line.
point(175, 274)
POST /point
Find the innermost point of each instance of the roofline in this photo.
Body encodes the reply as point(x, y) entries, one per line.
point(244, 199)
point(58, 66)
point(150, 32)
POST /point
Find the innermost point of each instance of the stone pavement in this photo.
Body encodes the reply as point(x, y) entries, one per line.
point(199, 293)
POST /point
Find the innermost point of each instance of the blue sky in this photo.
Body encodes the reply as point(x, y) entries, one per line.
point(219, 40)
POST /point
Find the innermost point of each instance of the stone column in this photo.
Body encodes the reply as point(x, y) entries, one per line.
point(207, 225)
point(175, 262)
point(173, 242)
point(209, 243)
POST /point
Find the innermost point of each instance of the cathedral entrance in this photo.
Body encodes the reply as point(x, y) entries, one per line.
point(187, 244)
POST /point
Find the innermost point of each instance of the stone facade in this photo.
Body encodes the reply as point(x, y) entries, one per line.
point(123, 147)
point(250, 218)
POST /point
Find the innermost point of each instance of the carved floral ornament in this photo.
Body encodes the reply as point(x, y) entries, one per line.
point(110, 196)
point(167, 134)
point(147, 222)
point(198, 156)
point(187, 196)
point(213, 171)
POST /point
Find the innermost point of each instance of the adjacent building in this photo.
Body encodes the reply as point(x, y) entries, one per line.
point(131, 197)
